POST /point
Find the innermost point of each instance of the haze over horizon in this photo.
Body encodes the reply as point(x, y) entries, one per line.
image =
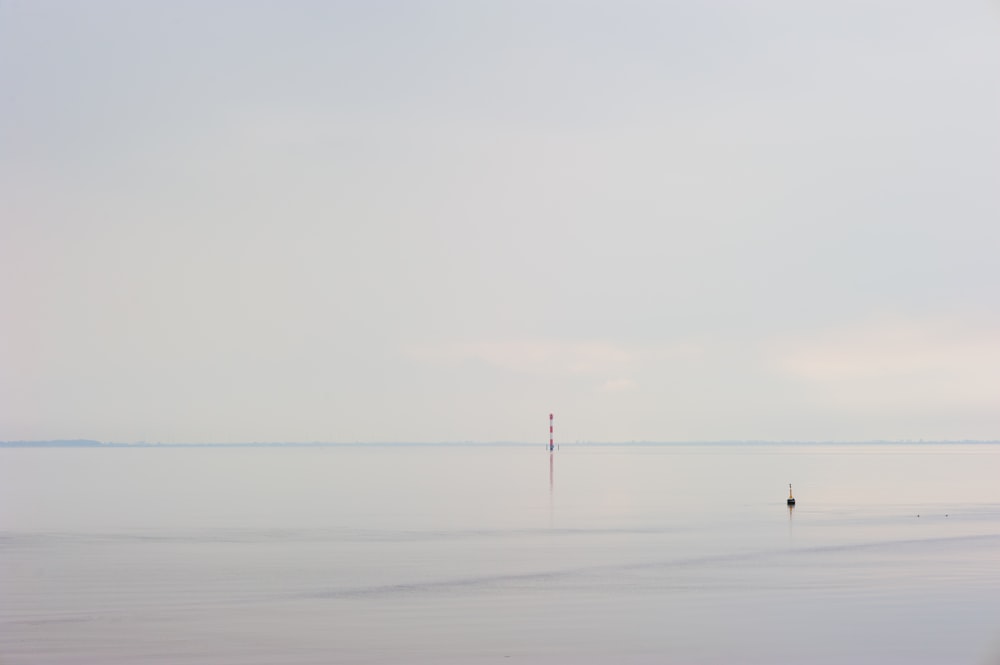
point(441, 221)
point(91, 443)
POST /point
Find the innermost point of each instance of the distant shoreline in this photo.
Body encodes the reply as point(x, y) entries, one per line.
point(88, 443)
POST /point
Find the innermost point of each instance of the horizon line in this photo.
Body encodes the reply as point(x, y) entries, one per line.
point(69, 443)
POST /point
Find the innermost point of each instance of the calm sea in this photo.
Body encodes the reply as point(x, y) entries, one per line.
point(501, 554)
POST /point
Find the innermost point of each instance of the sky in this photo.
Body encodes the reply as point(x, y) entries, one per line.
point(424, 221)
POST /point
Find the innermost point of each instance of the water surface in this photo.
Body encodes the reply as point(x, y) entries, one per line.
point(490, 554)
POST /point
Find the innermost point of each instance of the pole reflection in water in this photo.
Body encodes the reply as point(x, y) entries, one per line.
point(551, 490)
point(551, 473)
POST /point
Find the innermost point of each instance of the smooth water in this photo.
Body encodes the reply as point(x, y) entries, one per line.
point(501, 554)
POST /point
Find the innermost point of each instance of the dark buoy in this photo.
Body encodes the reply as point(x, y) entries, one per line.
point(791, 499)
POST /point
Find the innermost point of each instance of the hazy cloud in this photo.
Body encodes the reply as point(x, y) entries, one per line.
point(249, 221)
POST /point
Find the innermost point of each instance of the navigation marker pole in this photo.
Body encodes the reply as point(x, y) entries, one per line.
point(551, 447)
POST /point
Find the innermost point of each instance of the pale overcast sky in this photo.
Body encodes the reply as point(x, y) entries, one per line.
point(441, 221)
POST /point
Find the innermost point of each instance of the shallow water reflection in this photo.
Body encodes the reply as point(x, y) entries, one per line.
point(462, 554)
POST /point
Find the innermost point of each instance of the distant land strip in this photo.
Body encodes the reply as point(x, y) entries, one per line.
point(90, 443)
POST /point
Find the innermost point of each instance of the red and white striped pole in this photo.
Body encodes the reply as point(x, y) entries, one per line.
point(551, 447)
